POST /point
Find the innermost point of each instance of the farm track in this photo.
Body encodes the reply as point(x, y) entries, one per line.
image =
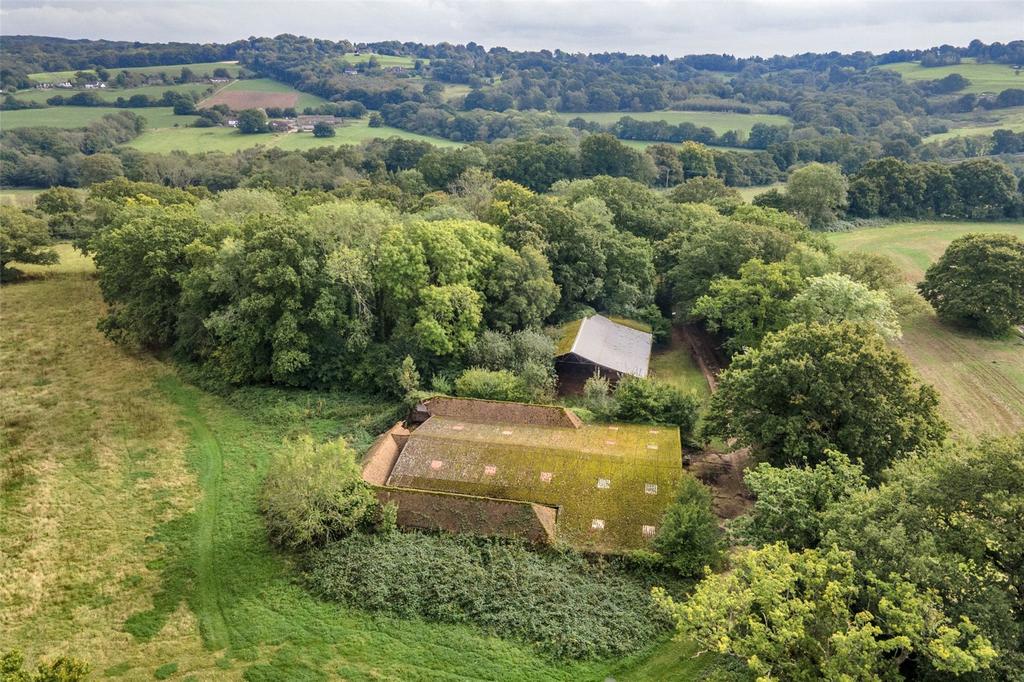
point(208, 606)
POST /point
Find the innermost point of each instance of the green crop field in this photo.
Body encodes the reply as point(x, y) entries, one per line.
point(203, 70)
point(748, 193)
point(77, 117)
point(719, 121)
point(982, 77)
point(195, 140)
point(980, 380)
point(111, 94)
point(130, 532)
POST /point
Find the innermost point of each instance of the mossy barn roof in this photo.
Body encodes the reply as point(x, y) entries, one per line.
point(611, 483)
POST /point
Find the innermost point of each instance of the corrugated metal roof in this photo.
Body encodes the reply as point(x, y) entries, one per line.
point(613, 345)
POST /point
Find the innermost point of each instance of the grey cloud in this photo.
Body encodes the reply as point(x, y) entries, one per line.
point(744, 27)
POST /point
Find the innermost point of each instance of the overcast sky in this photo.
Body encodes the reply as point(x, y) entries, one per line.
point(746, 27)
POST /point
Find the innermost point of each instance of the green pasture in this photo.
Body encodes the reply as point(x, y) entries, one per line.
point(983, 77)
point(78, 117)
point(980, 380)
point(674, 364)
point(624, 457)
point(131, 536)
point(202, 69)
point(984, 123)
point(384, 59)
point(748, 193)
point(223, 139)
point(719, 121)
point(111, 94)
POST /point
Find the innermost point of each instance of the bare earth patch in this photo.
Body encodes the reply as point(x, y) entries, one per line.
point(250, 99)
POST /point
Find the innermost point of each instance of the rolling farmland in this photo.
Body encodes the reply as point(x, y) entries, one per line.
point(78, 117)
point(253, 93)
point(112, 94)
point(202, 69)
point(980, 380)
point(195, 140)
point(982, 77)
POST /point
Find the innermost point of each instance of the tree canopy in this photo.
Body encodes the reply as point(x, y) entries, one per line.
point(811, 388)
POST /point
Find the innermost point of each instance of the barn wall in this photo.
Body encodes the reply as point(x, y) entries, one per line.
point(431, 510)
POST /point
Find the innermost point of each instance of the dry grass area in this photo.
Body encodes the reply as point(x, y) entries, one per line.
point(87, 470)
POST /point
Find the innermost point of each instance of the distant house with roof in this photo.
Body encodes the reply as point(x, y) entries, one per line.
point(534, 472)
point(598, 344)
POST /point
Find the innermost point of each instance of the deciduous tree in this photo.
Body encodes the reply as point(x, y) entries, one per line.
point(811, 388)
point(979, 282)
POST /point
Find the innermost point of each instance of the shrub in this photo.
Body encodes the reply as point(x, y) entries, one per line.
point(563, 604)
point(62, 669)
point(645, 400)
point(315, 493)
point(597, 396)
point(490, 384)
point(689, 538)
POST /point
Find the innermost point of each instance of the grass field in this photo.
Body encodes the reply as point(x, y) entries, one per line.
point(261, 92)
point(748, 193)
point(982, 77)
point(674, 365)
point(384, 59)
point(720, 122)
point(195, 140)
point(980, 380)
point(984, 123)
point(130, 535)
point(203, 69)
point(111, 94)
point(78, 117)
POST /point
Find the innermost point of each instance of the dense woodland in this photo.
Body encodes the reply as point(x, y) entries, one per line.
point(875, 548)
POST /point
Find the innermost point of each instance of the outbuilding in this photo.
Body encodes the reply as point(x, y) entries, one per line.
point(598, 344)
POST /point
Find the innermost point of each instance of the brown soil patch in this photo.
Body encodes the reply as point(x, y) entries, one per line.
point(243, 99)
point(723, 473)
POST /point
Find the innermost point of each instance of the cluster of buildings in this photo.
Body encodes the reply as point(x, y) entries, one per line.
point(535, 472)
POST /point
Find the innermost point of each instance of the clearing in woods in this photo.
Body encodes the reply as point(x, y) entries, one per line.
point(131, 536)
point(980, 380)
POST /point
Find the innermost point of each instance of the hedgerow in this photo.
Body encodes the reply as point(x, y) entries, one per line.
point(565, 605)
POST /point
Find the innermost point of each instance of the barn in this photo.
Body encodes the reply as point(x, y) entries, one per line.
point(534, 472)
point(598, 344)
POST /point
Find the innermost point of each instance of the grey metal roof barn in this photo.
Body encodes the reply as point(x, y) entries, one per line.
point(610, 345)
